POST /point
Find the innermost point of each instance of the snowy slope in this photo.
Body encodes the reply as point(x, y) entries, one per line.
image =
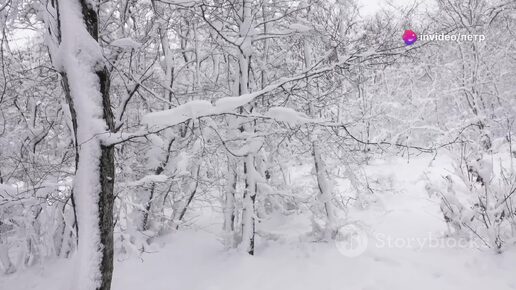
point(196, 260)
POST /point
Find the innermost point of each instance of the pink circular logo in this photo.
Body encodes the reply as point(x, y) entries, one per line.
point(409, 37)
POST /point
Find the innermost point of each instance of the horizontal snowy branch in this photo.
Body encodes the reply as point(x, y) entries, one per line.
point(202, 108)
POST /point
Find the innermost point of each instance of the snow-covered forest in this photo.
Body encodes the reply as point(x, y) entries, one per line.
point(257, 144)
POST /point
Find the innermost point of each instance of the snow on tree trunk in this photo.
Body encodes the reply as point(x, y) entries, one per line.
point(244, 62)
point(77, 55)
point(229, 207)
point(248, 214)
point(325, 193)
point(9, 267)
point(152, 205)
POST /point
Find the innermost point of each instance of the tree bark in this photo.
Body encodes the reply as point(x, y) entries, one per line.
point(94, 160)
point(325, 192)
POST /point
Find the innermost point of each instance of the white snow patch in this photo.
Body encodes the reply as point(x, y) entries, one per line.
point(287, 115)
point(196, 260)
point(126, 43)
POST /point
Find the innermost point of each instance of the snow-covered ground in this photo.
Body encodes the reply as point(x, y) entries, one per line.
point(406, 250)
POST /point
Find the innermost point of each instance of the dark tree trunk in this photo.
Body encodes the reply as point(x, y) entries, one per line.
point(73, 116)
point(106, 165)
point(190, 198)
point(107, 171)
point(146, 221)
point(249, 221)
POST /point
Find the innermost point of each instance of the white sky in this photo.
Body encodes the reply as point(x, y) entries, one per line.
point(367, 8)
